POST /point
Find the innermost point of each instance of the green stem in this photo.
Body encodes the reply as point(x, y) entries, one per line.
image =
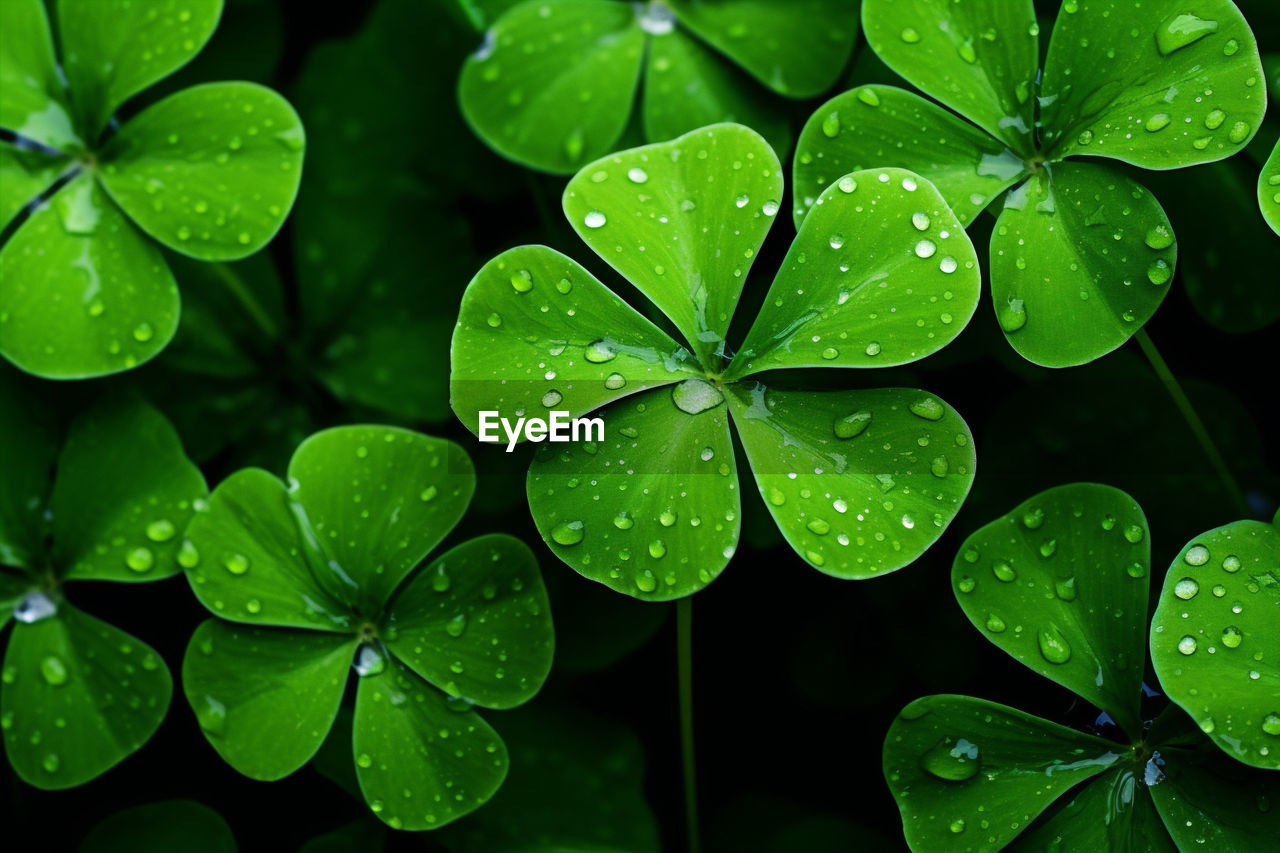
point(684, 660)
point(1190, 415)
point(243, 295)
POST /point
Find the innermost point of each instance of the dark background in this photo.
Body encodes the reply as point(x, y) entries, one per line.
point(797, 675)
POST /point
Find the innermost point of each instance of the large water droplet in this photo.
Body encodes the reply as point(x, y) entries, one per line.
point(568, 533)
point(1197, 555)
point(696, 395)
point(1186, 589)
point(1053, 645)
point(34, 606)
point(1178, 31)
point(53, 670)
point(953, 761)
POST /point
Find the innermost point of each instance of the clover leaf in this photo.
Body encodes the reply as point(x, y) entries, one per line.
point(1215, 635)
point(1060, 583)
point(1081, 253)
point(209, 172)
point(860, 482)
point(552, 85)
point(1269, 189)
point(161, 827)
point(307, 577)
point(107, 503)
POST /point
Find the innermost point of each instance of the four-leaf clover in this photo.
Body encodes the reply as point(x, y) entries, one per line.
point(1082, 254)
point(107, 503)
point(860, 482)
point(553, 84)
point(210, 172)
point(320, 575)
point(1060, 583)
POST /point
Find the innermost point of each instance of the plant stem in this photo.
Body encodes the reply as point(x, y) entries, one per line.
point(684, 668)
point(1193, 421)
point(244, 296)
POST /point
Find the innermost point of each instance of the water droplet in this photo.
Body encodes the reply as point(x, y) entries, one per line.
point(1136, 570)
point(926, 249)
point(1133, 534)
point(1065, 588)
point(1159, 237)
point(1232, 637)
point(819, 526)
point(1186, 589)
point(830, 353)
point(873, 348)
point(910, 36)
point(953, 761)
point(139, 559)
point(995, 624)
point(957, 825)
point(1187, 645)
point(1197, 555)
point(920, 221)
point(494, 320)
point(369, 661)
point(939, 467)
point(948, 265)
point(428, 494)
point(831, 125)
point(1159, 272)
point(551, 398)
point(836, 241)
point(1231, 564)
point(1033, 519)
point(1214, 119)
point(868, 96)
point(1013, 316)
point(573, 145)
point(568, 533)
point(623, 521)
point(847, 184)
point(34, 606)
point(614, 381)
point(237, 564)
point(51, 762)
point(1239, 132)
point(1180, 30)
point(456, 626)
point(522, 281)
point(594, 219)
point(928, 408)
point(161, 530)
point(143, 333)
point(1054, 647)
point(1158, 122)
point(1004, 572)
point(188, 556)
point(966, 583)
point(696, 395)
point(657, 549)
point(1271, 723)
point(53, 670)
point(637, 175)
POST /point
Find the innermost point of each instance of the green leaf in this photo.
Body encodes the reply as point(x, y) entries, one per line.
point(26, 174)
point(682, 221)
point(124, 493)
point(687, 86)
point(795, 47)
point(113, 49)
point(161, 828)
point(29, 438)
point(511, 356)
point(552, 85)
point(980, 59)
point(652, 510)
point(1080, 260)
point(13, 587)
point(83, 293)
point(78, 696)
point(1060, 583)
point(476, 623)
point(422, 761)
point(211, 171)
point(1269, 189)
point(364, 834)
point(1112, 812)
point(971, 772)
point(377, 500)
point(880, 274)
point(1209, 802)
point(34, 105)
point(265, 698)
point(1160, 86)
point(248, 558)
point(874, 126)
point(1215, 638)
point(861, 483)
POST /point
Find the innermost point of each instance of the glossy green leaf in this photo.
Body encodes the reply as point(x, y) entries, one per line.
point(1112, 812)
point(874, 126)
point(249, 559)
point(28, 448)
point(82, 293)
point(1215, 638)
point(161, 827)
point(539, 57)
point(652, 510)
point(687, 86)
point(265, 698)
point(795, 47)
point(113, 49)
point(860, 483)
point(124, 493)
point(1269, 190)
point(78, 696)
point(377, 500)
point(1208, 802)
point(980, 59)
point(35, 102)
point(476, 623)
point(587, 349)
point(682, 221)
point(1160, 86)
point(210, 171)
point(1080, 260)
point(1060, 583)
point(969, 775)
point(880, 274)
point(422, 761)
point(25, 174)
